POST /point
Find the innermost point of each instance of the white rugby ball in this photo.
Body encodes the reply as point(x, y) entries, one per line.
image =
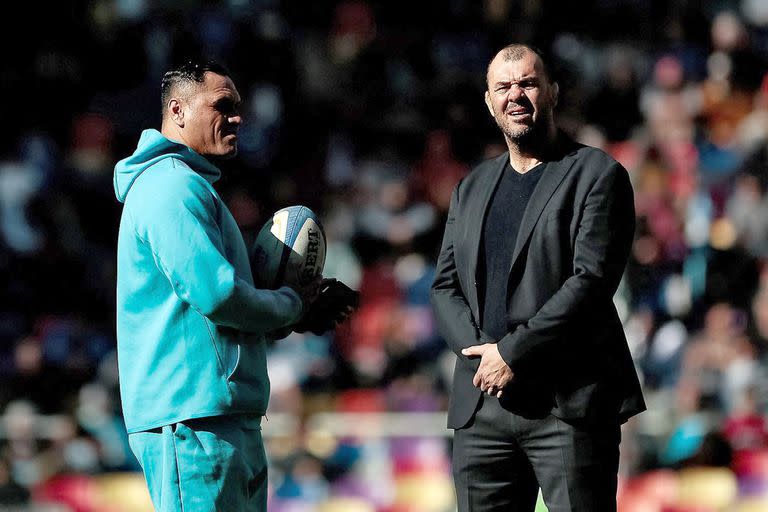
point(290, 249)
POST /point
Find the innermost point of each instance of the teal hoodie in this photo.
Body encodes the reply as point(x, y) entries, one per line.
point(190, 323)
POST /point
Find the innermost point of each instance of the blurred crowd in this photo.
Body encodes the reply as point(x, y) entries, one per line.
point(369, 112)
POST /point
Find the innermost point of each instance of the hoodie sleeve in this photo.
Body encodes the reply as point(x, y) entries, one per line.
point(177, 220)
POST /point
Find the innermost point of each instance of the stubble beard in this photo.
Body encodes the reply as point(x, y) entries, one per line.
point(526, 136)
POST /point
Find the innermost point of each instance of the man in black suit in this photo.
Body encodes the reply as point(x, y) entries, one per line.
point(535, 245)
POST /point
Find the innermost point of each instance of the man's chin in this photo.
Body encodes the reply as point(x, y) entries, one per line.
point(228, 152)
point(225, 154)
point(520, 134)
point(228, 146)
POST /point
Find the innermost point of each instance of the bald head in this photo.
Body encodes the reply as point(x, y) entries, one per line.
point(515, 52)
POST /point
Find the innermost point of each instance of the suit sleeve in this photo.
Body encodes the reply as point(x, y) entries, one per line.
point(602, 246)
point(181, 229)
point(454, 318)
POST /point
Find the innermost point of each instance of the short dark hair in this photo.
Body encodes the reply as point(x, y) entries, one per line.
point(192, 71)
point(517, 51)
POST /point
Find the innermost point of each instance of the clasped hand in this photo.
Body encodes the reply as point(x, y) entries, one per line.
point(493, 374)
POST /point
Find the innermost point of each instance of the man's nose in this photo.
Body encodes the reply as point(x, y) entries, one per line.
point(235, 119)
point(515, 93)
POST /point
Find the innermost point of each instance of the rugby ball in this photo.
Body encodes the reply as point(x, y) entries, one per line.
point(289, 249)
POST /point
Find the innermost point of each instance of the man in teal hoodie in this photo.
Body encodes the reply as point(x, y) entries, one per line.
point(190, 323)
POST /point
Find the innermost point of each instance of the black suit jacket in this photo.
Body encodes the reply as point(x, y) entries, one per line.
point(565, 337)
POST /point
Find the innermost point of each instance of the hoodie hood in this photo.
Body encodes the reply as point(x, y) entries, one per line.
point(152, 148)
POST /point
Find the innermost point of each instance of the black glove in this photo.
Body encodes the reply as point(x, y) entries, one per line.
point(330, 308)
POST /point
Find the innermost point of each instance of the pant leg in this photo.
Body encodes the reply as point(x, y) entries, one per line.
point(155, 452)
point(490, 470)
point(204, 465)
point(256, 461)
point(576, 465)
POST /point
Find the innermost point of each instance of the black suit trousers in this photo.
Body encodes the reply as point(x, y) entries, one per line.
point(503, 456)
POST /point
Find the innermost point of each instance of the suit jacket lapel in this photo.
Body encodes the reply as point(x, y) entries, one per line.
point(476, 216)
point(548, 183)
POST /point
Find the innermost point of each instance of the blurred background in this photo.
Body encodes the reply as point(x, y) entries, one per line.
point(369, 112)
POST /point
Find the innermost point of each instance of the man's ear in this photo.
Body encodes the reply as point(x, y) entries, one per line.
point(555, 94)
point(175, 109)
point(488, 103)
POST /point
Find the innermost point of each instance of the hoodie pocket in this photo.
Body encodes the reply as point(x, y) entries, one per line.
point(226, 345)
point(235, 363)
point(215, 345)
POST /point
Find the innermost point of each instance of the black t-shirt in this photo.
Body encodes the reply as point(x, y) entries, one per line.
point(500, 229)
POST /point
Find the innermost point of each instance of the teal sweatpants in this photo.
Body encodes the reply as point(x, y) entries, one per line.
point(205, 465)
